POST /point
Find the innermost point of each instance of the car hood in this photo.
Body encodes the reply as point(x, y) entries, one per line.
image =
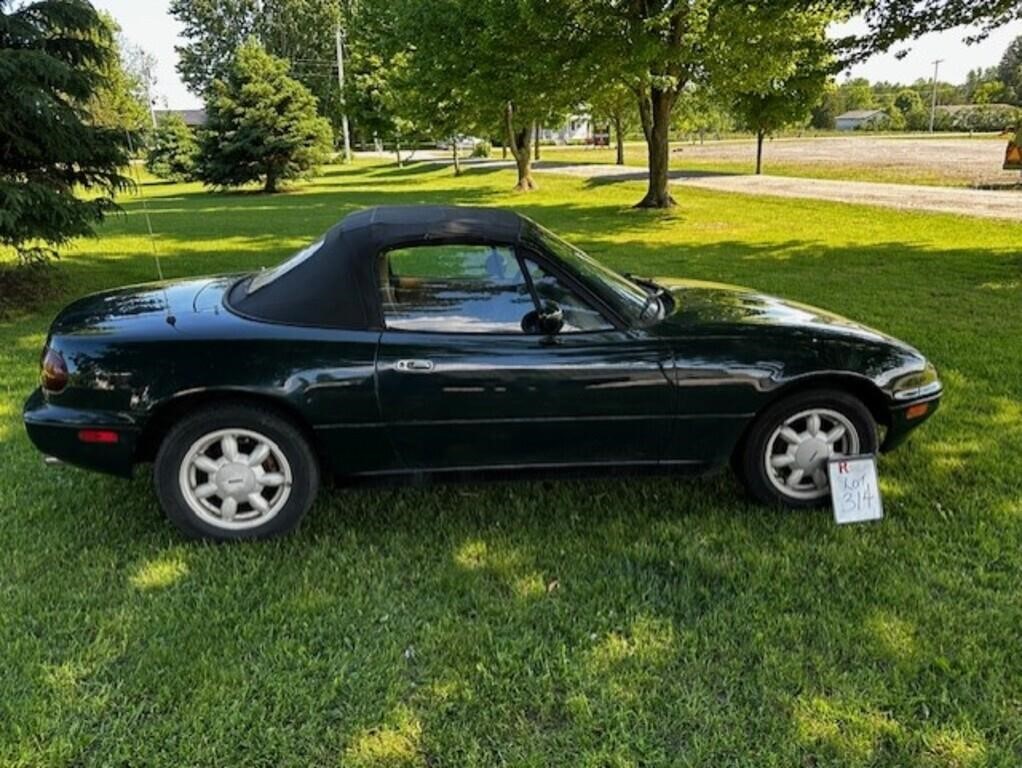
point(148, 308)
point(722, 308)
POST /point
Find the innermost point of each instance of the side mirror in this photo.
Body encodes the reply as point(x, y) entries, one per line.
point(548, 321)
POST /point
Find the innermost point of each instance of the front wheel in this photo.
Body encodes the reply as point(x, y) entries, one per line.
point(235, 472)
point(785, 457)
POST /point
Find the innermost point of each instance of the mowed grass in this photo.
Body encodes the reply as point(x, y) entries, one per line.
point(686, 160)
point(608, 622)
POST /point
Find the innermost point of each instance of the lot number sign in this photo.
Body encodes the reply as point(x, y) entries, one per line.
point(854, 489)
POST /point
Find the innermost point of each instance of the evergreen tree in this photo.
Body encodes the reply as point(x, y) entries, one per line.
point(1010, 71)
point(173, 150)
point(53, 55)
point(262, 125)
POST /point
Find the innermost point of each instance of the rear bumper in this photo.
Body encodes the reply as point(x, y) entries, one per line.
point(54, 431)
point(901, 426)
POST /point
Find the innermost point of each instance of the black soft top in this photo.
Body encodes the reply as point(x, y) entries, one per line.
point(337, 285)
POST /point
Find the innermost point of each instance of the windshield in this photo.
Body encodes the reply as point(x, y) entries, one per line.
point(625, 296)
point(267, 276)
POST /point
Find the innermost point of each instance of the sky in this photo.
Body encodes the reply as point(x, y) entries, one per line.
point(148, 23)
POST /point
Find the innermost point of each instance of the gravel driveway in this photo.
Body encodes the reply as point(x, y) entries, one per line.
point(1002, 204)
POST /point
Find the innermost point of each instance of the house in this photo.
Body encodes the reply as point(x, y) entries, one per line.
point(194, 118)
point(577, 129)
point(859, 118)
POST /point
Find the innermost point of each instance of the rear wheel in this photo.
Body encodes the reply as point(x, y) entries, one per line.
point(235, 472)
point(784, 460)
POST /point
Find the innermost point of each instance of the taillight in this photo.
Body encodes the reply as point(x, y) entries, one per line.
point(54, 371)
point(98, 436)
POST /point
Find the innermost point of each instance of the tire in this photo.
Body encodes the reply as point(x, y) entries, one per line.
point(764, 465)
point(237, 452)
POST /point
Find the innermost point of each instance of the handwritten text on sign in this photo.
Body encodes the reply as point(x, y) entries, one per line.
point(854, 489)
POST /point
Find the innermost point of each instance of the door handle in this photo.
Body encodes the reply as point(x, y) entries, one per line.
point(414, 366)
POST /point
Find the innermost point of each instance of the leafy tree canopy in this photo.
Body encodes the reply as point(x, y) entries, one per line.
point(513, 63)
point(262, 124)
point(121, 100)
point(301, 31)
point(54, 58)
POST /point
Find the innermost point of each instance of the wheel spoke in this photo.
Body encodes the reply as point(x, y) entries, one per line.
point(835, 434)
point(791, 436)
point(813, 424)
point(229, 447)
point(781, 460)
point(795, 477)
point(228, 508)
point(820, 478)
point(272, 479)
point(258, 455)
point(259, 504)
point(205, 490)
point(206, 464)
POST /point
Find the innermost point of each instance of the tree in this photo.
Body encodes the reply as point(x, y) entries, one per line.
point(262, 125)
point(53, 56)
point(301, 31)
point(615, 104)
point(990, 92)
point(1009, 71)
point(914, 111)
point(700, 110)
point(803, 62)
point(661, 47)
point(858, 94)
point(173, 150)
point(384, 90)
point(787, 101)
point(121, 100)
point(892, 21)
point(513, 60)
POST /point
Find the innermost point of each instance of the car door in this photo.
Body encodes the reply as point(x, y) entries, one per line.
point(462, 385)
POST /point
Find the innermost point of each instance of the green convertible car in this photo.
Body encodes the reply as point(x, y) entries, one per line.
point(426, 340)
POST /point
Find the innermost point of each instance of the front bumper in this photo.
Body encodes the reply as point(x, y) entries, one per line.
point(900, 425)
point(54, 431)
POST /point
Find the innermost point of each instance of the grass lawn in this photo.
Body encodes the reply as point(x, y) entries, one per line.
point(597, 623)
point(685, 157)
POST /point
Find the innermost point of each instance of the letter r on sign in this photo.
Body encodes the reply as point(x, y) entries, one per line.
point(842, 467)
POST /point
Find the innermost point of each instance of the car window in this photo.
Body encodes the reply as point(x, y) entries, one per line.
point(454, 289)
point(578, 314)
point(268, 276)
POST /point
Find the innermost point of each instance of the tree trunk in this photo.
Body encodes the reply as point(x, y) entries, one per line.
point(270, 187)
point(759, 152)
point(519, 143)
point(535, 138)
point(658, 147)
point(645, 114)
point(503, 150)
point(620, 139)
point(397, 151)
point(457, 158)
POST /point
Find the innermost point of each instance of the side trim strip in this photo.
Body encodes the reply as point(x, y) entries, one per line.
point(540, 419)
point(552, 465)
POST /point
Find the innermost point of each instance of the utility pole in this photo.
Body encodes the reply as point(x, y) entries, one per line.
point(933, 100)
point(339, 39)
point(147, 73)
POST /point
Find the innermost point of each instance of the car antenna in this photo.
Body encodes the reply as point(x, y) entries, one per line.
point(171, 320)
